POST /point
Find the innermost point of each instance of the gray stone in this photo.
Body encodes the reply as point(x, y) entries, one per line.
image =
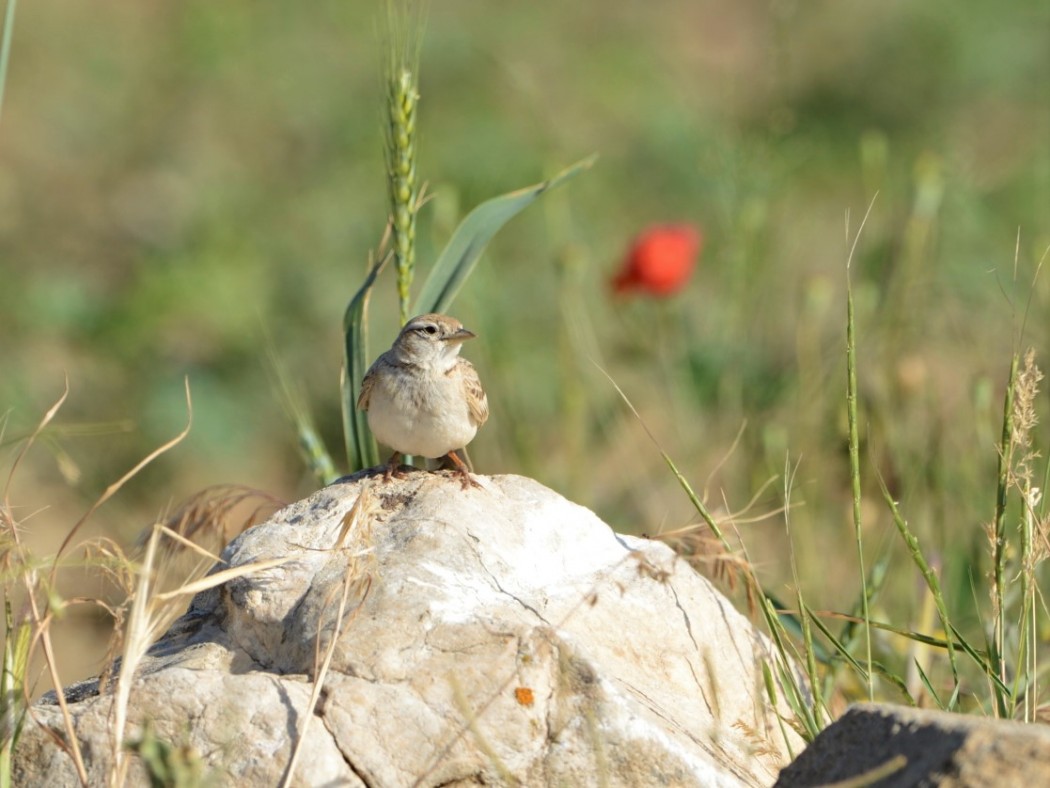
point(916, 747)
point(500, 635)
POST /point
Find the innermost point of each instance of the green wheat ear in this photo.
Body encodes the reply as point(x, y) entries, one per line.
point(402, 100)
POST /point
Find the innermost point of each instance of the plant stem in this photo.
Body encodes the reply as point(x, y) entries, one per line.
point(854, 441)
point(402, 100)
point(999, 545)
point(854, 470)
point(5, 45)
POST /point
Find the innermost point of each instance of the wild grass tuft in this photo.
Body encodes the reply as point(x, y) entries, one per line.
point(156, 582)
point(943, 657)
point(149, 613)
point(42, 603)
point(786, 658)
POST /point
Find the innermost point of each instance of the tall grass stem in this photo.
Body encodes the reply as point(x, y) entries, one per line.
point(929, 575)
point(1006, 444)
point(854, 444)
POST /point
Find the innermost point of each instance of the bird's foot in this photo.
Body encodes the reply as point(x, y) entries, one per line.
point(393, 468)
point(462, 472)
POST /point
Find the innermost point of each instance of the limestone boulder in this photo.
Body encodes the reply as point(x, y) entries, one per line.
point(498, 635)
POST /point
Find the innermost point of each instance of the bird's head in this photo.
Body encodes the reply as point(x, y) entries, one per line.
point(430, 339)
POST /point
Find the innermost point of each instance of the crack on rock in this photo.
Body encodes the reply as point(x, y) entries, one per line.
point(355, 770)
point(723, 609)
point(502, 590)
point(292, 723)
point(475, 778)
point(685, 617)
point(517, 599)
point(689, 630)
point(240, 649)
point(711, 747)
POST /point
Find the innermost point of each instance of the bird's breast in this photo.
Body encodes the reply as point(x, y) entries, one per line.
point(421, 415)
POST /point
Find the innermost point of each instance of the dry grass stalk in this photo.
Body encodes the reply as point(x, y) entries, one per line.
point(1024, 421)
point(148, 613)
point(23, 566)
point(357, 523)
point(207, 518)
point(117, 485)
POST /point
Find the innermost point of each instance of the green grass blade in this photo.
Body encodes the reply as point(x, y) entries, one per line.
point(797, 703)
point(798, 697)
point(981, 659)
point(473, 235)
point(998, 653)
point(5, 46)
point(811, 659)
point(838, 646)
point(877, 575)
point(694, 499)
point(929, 685)
point(808, 644)
point(792, 625)
point(985, 663)
point(843, 653)
point(12, 689)
point(854, 468)
point(293, 401)
point(361, 449)
point(771, 693)
point(854, 445)
point(928, 573)
point(886, 674)
point(315, 452)
point(918, 637)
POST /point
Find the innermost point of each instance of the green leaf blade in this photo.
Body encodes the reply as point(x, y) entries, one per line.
point(361, 449)
point(473, 235)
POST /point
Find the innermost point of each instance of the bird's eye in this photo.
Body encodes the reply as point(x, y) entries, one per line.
point(431, 329)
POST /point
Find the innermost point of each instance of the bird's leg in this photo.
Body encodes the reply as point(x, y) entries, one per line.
point(393, 467)
point(462, 471)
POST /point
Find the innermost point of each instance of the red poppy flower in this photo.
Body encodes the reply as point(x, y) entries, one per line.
point(660, 260)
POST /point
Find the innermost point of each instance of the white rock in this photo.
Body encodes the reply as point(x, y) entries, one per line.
point(500, 635)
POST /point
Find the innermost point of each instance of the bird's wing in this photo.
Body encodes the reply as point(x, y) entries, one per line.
point(476, 399)
point(366, 387)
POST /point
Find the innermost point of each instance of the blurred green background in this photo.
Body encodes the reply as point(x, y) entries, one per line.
point(180, 180)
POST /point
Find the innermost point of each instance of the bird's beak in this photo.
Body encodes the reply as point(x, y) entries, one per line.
point(462, 335)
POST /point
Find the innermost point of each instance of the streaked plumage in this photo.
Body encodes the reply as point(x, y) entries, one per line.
point(422, 398)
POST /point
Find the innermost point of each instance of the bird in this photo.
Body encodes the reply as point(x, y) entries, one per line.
point(422, 397)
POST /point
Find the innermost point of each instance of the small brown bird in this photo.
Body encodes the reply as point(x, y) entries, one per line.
point(421, 397)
